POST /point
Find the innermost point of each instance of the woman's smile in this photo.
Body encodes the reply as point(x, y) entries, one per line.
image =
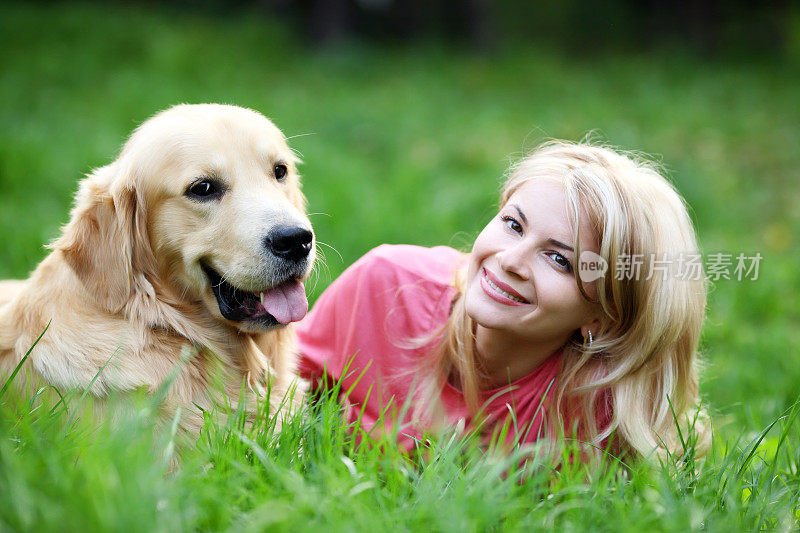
point(499, 291)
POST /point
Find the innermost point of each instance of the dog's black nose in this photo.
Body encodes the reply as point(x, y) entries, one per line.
point(290, 242)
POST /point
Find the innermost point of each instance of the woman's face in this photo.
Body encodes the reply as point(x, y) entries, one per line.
point(522, 277)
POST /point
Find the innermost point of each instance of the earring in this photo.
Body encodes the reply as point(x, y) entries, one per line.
point(587, 343)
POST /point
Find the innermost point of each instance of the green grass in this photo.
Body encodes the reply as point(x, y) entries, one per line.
point(63, 473)
point(403, 145)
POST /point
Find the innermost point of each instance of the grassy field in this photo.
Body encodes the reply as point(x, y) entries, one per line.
point(404, 146)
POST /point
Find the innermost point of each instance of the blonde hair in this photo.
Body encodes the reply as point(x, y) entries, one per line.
point(645, 357)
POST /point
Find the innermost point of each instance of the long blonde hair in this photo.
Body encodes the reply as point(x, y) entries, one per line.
point(646, 356)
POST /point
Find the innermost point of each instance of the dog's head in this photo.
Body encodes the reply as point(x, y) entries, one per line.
point(204, 203)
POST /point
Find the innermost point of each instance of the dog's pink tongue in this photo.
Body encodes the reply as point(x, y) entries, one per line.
point(287, 302)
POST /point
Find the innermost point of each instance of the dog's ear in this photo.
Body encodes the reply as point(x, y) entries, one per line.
point(99, 240)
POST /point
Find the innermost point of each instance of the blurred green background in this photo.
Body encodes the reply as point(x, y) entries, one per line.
point(406, 128)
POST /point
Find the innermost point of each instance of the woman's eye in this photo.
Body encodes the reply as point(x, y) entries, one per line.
point(512, 224)
point(561, 261)
point(280, 171)
point(204, 189)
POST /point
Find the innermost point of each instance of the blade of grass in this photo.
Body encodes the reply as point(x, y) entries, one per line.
point(86, 391)
point(22, 361)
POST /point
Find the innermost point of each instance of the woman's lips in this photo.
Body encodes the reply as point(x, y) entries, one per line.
point(499, 291)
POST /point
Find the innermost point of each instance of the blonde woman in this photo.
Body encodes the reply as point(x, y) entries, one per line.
point(571, 315)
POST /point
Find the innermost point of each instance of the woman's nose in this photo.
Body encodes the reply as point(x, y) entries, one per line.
point(516, 260)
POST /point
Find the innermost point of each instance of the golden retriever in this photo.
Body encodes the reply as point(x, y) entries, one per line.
point(194, 241)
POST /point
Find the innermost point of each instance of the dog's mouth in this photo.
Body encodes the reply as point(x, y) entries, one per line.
point(282, 303)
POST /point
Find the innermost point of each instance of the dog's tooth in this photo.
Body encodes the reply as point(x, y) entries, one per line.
point(261, 297)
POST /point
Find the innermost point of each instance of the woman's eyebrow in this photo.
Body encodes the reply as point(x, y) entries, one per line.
point(521, 214)
point(559, 244)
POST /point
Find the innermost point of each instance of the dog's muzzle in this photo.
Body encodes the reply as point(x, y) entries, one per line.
point(281, 303)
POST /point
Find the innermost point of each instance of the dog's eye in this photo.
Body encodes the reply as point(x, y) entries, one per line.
point(280, 171)
point(204, 189)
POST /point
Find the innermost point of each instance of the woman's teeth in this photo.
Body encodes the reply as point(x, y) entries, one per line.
point(504, 293)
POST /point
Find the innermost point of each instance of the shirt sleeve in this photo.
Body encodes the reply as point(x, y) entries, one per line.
point(347, 331)
point(317, 332)
point(328, 337)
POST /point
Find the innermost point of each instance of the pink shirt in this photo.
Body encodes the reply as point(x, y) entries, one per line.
point(362, 327)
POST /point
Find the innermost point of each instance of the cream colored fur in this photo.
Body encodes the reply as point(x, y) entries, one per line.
point(123, 281)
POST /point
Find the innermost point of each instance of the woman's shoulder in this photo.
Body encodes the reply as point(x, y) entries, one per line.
point(410, 263)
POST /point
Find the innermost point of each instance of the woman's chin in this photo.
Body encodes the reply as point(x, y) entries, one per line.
point(483, 312)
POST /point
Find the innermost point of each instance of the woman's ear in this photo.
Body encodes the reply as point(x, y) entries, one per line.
point(592, 328)
point(98, 241)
